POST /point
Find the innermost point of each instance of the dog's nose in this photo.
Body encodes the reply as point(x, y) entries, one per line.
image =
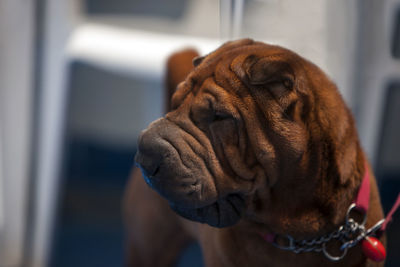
point(147, 164)
point(162, 158)
point(148, 156)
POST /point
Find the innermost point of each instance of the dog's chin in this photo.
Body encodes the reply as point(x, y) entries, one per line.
point(223, 213)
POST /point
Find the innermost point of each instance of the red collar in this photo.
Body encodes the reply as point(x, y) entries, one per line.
point(362, 200)
point(361, 203)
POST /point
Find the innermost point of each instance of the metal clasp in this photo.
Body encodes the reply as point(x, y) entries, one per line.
point(375, 228)
point(352, 207)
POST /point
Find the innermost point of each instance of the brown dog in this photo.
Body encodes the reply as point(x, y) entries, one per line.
point(258, 141)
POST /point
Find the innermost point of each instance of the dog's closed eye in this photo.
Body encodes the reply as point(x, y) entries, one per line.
point(220, 116)
point(204, 113)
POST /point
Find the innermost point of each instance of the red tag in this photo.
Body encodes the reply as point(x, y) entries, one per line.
point(373, 249)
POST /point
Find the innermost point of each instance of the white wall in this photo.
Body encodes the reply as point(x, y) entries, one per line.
point(16, 44)
point(60, 18)
point(1, 187)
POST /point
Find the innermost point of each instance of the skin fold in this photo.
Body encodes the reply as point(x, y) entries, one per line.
point(257, 140)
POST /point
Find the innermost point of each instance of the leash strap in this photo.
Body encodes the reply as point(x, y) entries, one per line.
point(390, 214)
point(362, 201)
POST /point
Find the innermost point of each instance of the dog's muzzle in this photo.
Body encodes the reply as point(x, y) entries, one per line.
point(171, 167)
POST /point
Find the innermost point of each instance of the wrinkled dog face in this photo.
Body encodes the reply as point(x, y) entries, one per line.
point(237, 126)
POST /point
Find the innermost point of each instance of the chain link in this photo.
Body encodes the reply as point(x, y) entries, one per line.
point(349, 234)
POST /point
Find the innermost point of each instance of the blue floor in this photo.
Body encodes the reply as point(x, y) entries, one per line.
point(89, 228)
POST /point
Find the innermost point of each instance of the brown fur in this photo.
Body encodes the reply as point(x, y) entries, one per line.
point(297, 169)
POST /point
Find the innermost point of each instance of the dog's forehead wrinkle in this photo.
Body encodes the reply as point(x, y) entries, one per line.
point(224, 70)
point(229, 55)
point(223, 98)
point(230, 83)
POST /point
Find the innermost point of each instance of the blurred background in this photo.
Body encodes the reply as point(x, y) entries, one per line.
point(79, 79)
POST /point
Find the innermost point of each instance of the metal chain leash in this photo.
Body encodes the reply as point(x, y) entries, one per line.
point(349, 234)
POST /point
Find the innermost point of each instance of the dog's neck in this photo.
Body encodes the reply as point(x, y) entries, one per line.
point(315, 209)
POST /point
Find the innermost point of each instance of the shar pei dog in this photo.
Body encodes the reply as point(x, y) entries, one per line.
point(258, 160)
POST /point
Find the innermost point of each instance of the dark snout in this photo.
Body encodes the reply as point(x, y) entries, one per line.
point(170, 166)
point(157, 154)
point(150, 151)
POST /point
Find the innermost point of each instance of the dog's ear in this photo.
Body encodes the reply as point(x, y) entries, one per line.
point(179, 65)
point(269, 72)
point(266, 71)
point(197, 60)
